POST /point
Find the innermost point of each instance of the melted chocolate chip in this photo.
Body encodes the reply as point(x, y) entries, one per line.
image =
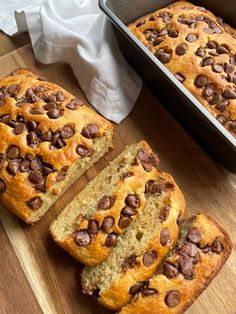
point(129, 262)
point(191, 38)
point(35, 176)
point(217, 246)
point(92, 226)
point(67, 132)
point(60, 96)
point(49, 106)
point(221, 118)
point(170, 271)
point(233, 125)
point(218, 68)
point(53, 113)
point(124, 222)
point(194, 235)
point(111, 240)
point(36, 111)
point(128, 211)
point(164, 213)
point(46, 137)
point(19, 128)
point(200, 52)
point(164, 236)
point(105, 202)
point(180, 77)
point(163, 56)
point(74, 103)
point(149, 258)
point(13, 152)
point(181, 49)
point(137, 288)
point(107, 224)
point(83, 151)
point(186, 267)
point(132, 201)
point(201, 81)
point(172, 298)
point(148, 291)
point(82, 238)
point(90, 131)
point(189, 249)
point(25, 165)
point(35, 203)
point(229, 93)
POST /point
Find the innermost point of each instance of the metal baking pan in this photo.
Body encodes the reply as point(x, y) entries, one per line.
point(189, 111)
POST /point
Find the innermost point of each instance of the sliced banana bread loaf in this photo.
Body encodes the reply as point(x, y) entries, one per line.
point(200, 254)
point(141, 248)
point(89, 226)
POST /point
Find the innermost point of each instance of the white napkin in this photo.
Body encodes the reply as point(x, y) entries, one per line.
point(77, 32)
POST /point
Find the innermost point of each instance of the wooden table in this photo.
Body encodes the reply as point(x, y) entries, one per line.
point(37, 276)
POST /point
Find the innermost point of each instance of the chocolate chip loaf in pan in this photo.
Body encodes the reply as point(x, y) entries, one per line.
point(141, 248)
point(48, 138)
point(200, 50)
point(89, 226)
point(188, 269)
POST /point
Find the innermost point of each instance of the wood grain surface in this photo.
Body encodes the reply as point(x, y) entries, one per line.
point(37, 274)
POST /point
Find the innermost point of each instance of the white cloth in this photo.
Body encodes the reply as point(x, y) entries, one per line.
point(77, 32)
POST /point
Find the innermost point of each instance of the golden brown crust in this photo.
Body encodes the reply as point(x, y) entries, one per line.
point(205, 270)
point(60, 157)
point(216, 40)
point(96, 251)
point(118, 295)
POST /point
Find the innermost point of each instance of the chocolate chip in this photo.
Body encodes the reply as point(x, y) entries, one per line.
point(186, 267)
point(83, 151)
point(221, 106)
point(1, 162)
point(124, 222)
point(147, 166)
point(1, 103)
point(173, 33)
point(46, 137)
point(129, 262)
point(82, 238)
point(13, 90)
point(149, 291)
point(181, 50)
point(67, 132)
point(107, 223)
point(153, 18)
point(35, 176)
point(40, 186)
point(149, 258)
point(5, 118)
point(200, 52)
point(217, 246)
point(233, 125)
point(128, 211)
point(196, 259)
point(157, 41)
point(24, 166)
point(163, 56)
point(191, 38)
point(222, 50)
point(19, 128)
point(92, 226)
point(132, 200)
point(2, 186)
point(50, 98)
point(216, 99)
point(143, 155)
point(29, 157)
point(208, 30)
point(140, 23)
point(74, 103)
point(53, 113)
point(111, 240)
point(125, 175)
point(164, 236)
point(229, 93)
point(137, 288)
point(170, 271)
point(207, 61)
point(201, 81)
point(30, 95)
point(60, 176)
point(211, 45)
point(180, 77)
point(229, 68)
point(189, 249)
point(35, 203)
point(90, 131)
point(32, 125)
point(50, 105)
point(164, 213)
point(39, 89)
point(105, 202)
point(222, 119)
point(218, 68)
point(172, 298)
point(152, 188)
point(13, 152)
point(60, 96)
point(194, 235)
point(208, 90)
point(217, 30)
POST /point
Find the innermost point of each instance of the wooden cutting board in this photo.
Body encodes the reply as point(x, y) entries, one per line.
point(37, 276)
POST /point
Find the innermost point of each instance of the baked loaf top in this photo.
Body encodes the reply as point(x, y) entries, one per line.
point(44, 130)
point(200, 50)
point(89, 226)
point(188, 269)
point(141, 248)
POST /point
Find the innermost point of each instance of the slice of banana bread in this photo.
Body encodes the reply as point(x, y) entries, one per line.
point(89, 226)
point(141, 248)
point(200, 254)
